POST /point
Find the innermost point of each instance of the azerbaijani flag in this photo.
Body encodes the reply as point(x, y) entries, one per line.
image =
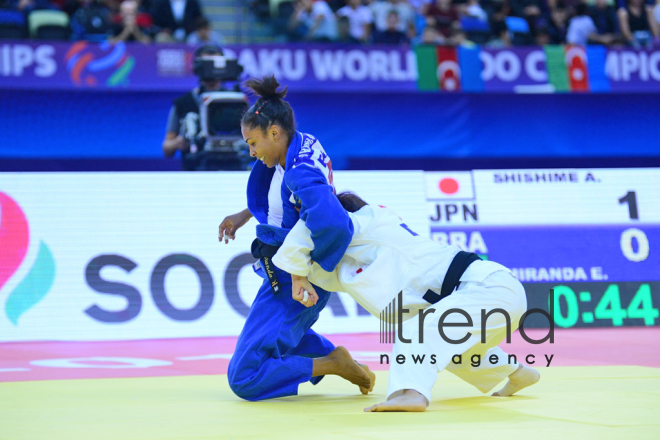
point(567, 68)
point(570, 68)
point(574, 68)
point(448, 69)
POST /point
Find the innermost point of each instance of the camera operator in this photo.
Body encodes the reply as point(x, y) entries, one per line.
point(184, 118)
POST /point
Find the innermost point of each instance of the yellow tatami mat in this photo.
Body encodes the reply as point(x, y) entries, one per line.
point(569, 402)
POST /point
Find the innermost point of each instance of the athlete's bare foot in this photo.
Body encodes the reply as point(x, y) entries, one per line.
point(372, 377)
point(408, 401)
point(523, 377)
point(340, 363)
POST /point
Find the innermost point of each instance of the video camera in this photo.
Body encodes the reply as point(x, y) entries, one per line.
point(215, 135)
point(216, 67)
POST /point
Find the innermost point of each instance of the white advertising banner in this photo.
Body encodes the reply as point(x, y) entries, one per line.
point(111, 256)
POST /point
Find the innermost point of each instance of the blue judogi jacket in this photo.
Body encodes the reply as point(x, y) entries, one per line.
point(304, 186)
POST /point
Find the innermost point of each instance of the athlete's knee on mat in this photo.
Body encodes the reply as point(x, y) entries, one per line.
point(245, 390)
point(242, 374)
point(238, 374)
point(244, 385)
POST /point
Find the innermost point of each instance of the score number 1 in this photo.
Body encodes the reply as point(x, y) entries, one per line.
point(631, 199)
point(631, 234)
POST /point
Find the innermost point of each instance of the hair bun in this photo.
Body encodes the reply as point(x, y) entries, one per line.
point(266, 87)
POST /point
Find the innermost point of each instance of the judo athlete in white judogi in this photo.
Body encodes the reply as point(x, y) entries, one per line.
point(384, 258)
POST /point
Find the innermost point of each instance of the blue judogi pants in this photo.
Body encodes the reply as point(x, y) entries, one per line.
point(275, 348)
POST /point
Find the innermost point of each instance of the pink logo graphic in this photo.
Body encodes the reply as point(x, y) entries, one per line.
point(13, 237)
point(14, 240)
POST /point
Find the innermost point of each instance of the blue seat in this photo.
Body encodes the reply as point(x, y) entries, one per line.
point(420, 23)
point(12, 25)
point(12, 17)
point(517, 25)
point(472, 24)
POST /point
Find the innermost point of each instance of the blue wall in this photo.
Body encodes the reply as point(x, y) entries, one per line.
point(354, 128)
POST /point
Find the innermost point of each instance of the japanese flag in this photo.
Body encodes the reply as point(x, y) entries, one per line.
point(449, 185)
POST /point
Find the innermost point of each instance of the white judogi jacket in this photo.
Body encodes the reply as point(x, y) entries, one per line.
point(383, 259)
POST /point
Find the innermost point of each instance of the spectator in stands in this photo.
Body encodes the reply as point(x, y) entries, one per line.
point(91, 21)
point(71, 6)
point(582, 29)
point(164, 37)
point(459, 38)
point(176, 17)
point(654, 18)
point(344, 31)
point(130, 29)
point(314, 20)
point(143, 12)
point(27, 6)
point(604, 17)
point(392, 34)
point(431, 35)
point(144, 6)
point(636, 22)
point(542, 37)
point(113, 6)
point(473, 9)
point(419, 5)
point(406, 13)
point(54, 4)
point(360, 18)
point(530, 10)
point(568, 6)
point(558, 24)
point(444, 15)
point(203, 34)
point(498, 27)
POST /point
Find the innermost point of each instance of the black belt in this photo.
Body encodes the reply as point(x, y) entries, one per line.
point(456, 270)
point(264, 252)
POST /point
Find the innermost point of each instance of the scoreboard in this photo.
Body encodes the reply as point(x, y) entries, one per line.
point(593, 236)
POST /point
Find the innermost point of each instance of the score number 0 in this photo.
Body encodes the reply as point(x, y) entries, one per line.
point(631, 234)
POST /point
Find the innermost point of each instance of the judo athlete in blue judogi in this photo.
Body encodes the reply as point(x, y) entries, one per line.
point(277, 350)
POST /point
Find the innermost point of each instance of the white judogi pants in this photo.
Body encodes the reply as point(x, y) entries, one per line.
point(499, 290)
